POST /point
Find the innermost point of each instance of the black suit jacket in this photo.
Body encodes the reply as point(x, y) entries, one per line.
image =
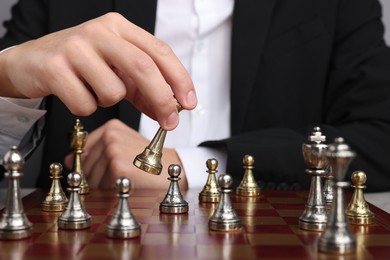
point(295, 64)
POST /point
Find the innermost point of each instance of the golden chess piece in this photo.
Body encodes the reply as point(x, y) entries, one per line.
point(357, 210)
point(248, 186)
point(79, 138)
point(210, 191)
point(150, 159)
point(56, 199)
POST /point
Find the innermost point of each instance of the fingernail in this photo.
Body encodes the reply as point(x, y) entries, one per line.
point(171, 120)
point(191, 99)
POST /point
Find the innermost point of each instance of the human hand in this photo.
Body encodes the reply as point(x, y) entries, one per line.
point(109, 153)
point(99, 63)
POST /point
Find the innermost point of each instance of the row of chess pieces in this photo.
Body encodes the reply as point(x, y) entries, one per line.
point(324, 211)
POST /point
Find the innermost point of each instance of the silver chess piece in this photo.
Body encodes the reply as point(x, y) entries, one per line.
point(225, 217)
point(337, 237)
point(314, 216)
point(14, 223)
point(74, 216)
point(328, 188)
point(123, 224)
point(174, 202)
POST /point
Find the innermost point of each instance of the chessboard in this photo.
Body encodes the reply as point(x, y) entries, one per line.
point(270, 231)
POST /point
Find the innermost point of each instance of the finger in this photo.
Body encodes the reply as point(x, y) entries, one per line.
point(92, 68)
point(168, 63)
point(63, 83)
point(149, 82)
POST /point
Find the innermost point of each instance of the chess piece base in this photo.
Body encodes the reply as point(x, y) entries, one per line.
point(74, 225)
point(146, 167)
point(248, 192)
point(312, 226)
point(361, 220)
point(123, 233)
point(313, 218)
point(174, 209)
point(228, 226)
point(330, 247)
point(53, 207)
point(209, 198)
point(16, 234)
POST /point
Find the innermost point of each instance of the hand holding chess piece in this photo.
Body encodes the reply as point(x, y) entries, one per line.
point(150, 159)
point(225, 217)
point(210, 192)
point(78, 140)
point(74, 216)
point(337, 237)
point(56, 199)
point(174, 202)
point(123, 224)
point(357, 210)
point(14, 223)
point(248, 186)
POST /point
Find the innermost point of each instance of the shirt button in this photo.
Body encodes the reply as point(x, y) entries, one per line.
point(23, 119)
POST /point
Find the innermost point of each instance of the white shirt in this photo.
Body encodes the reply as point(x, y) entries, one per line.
point(199, 32)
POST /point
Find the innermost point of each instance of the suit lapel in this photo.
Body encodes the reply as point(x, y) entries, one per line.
point(143, 14)
point(251, 19)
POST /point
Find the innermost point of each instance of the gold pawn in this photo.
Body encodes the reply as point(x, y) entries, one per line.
point(248, 186)
point(79, 138)
point(210, 192)
point(56, 199)
point(150, 159)
point(358, 211)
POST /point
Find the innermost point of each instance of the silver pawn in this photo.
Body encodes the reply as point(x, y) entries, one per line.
point(174, 202)
point(74, 216)
point(14, 223)
point(337, 237)
point(123, 224)
point(225, 217)
point(314, 216)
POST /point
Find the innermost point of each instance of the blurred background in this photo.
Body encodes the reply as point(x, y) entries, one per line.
point(5, 13)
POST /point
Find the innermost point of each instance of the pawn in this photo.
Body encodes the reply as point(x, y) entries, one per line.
point(123, 224)
point(174, 202)
point(56, 199)
point(225, 217)
point(357, 210)
point(75, 216)
point(248, 186)
point(210, 192)
point(14, 223)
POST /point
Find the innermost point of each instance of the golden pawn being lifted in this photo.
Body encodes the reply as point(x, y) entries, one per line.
point(56, 199)
point(210, 192)
point(77, 143)
point(357, 210)
point(150, 159)
point(248, 186)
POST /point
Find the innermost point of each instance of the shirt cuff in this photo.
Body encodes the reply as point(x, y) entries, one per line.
point(194, 164)
point(17, 116)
